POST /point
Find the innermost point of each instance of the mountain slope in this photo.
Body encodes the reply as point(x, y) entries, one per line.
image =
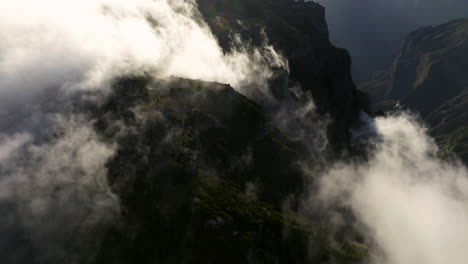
point(202, 175)
point(298, 30)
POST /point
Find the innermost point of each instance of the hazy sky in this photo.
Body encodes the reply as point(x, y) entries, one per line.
point(373, 30)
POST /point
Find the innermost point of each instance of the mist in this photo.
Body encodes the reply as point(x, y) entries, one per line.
point(84, 44)
point(373, 30)
point(410, 204)
point(53, 194)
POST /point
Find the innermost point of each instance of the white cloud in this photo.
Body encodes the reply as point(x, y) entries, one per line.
point(67, 43)
point(413, 204)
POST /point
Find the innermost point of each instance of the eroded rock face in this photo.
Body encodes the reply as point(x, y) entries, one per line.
point(429, 77)
point(430, 69)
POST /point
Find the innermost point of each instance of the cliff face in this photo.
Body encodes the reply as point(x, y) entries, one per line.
point(298, 30)
point(429, 76)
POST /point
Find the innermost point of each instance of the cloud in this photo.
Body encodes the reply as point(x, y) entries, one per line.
point(9, 146)
point(299, 119)
point(411, 203)
point(52, 191)
point(55, 43)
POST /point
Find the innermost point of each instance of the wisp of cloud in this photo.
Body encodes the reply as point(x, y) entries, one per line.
point(413, 205)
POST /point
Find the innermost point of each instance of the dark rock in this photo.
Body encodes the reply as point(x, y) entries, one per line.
point(298, 30)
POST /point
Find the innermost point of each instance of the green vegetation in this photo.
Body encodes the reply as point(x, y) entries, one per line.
point(256, 225)
point(188, 151)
